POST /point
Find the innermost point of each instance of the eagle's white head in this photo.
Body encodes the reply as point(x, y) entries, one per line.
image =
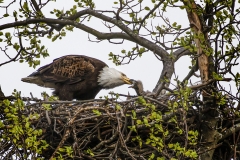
point(110, 78)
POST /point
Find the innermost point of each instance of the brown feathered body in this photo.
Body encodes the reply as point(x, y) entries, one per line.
point(77, 77)
point(72, 77)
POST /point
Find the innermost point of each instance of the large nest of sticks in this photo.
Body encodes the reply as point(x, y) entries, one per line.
point(95, 129)
point(127, 127)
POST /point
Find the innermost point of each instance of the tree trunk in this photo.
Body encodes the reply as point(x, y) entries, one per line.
point(208, 134)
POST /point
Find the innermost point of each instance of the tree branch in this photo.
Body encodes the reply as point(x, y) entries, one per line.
point(190, 73)
point(230, 131)
point(16, 56)
point(70, 21)
point(181, 52)
point(99, 35)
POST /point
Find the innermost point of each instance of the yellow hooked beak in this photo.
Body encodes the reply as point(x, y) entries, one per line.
point(126, 79)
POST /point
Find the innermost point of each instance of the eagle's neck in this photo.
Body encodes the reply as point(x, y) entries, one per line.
point(110, 78)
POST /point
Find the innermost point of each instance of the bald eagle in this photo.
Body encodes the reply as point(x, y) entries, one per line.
point(77, 77)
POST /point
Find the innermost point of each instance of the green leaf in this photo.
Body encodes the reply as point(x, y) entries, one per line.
point(133, 128)
point(174, 24)
point(25, 6)
point(6, 110)
point(97, 112)
point(134, 115)
point(139, 122)
point(217, 76)
point(89, 151)
point(141, 100)
point(61, 149)
point(55, 38)
point(6, 102)
point(27, 125)
point(145, 121)
point(7, 34)
point(141, 50)
point(6, 15)
point(118, 107)
point(131, 15)
point(16, 46)
point(151, 156)
point(1, 124)
point(47, 107)
point(147, 8)
point(170, 145)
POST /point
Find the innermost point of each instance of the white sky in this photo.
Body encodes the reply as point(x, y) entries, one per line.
point(147, 68)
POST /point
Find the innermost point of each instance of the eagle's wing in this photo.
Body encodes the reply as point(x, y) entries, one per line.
point(68, 69)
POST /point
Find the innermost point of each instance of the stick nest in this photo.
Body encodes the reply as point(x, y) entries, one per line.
point(94, 129)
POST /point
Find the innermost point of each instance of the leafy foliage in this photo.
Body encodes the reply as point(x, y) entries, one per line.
point(17, 132)
point(186, 121)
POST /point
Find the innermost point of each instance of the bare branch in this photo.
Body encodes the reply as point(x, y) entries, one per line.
point(69, 21)
point(181, 52)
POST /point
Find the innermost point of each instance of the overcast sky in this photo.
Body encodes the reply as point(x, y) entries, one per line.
point(147, 68)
